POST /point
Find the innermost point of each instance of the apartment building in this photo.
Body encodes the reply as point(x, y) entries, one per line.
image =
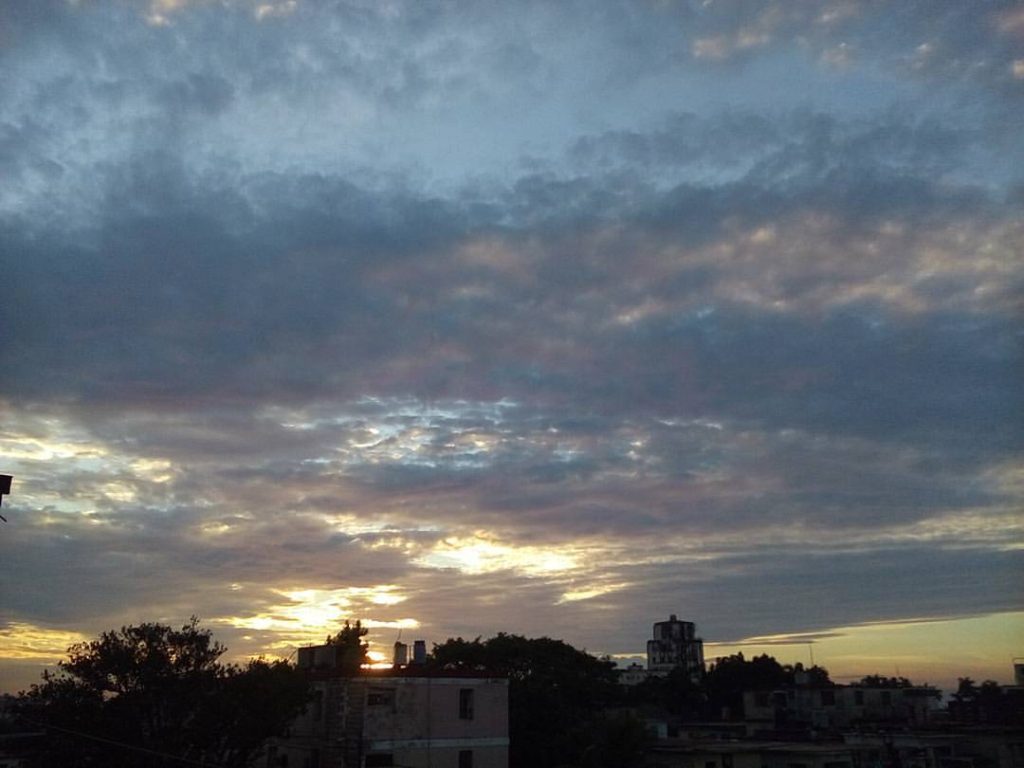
point(409, 716)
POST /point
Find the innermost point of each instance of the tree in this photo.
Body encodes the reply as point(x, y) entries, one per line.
point(730, 676)
point(987, 703)
point(151, 695)
point(556, 694)
point(675, 693)
point(966, 690)
point(619, 741)
point(351, 648)
point(813, 677)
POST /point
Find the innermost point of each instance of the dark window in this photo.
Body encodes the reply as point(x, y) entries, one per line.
point(380, 697)
point(465, 758)
point(761, 699)
point(858, 698)
point(465, 703)
point(318, 706)
point(828, 698)
point(380, 760)
point(887, 697)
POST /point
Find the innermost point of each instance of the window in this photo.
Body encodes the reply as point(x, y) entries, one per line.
point(887, 697)
point(380, 697)
point(380, 760)
point(828, 698)
point(761, 699)
point(465, 758)
point(858, 698)
point(465, 703)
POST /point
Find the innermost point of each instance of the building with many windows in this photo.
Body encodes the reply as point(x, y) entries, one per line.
point(675, 644)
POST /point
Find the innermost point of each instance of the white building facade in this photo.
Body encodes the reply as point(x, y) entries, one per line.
point(409, 716)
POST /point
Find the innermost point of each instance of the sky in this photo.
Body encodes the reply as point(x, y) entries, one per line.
point(548, 318)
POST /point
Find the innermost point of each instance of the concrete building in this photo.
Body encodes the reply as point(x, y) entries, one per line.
point(406, 716)
point(675, 644)
point(837, 707)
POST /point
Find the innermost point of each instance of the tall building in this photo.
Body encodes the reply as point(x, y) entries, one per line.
point(675, 644)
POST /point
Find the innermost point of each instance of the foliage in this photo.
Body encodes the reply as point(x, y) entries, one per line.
point(556, 694)
point(147, 691)
point(987, 703)
point(352, 650)
point(730, 676)
point(619, 741)
point(675, 693)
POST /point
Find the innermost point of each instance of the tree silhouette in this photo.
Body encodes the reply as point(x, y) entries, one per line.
point(351, 648)
point(152, 695)
point(556, 695)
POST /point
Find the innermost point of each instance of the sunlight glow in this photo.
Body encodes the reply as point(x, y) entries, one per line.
point(924, 650)
point(586, 594)
point(30, 642)
point(481, 554)
point(309, 615)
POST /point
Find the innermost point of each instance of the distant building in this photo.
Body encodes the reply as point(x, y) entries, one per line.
point(407, 716)
point(675, 644)
point(634, 674)
point(839, 706)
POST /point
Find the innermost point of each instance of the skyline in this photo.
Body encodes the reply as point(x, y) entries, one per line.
point(544, 318)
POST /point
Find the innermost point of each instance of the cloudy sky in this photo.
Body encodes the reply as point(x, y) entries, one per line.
point(553, 318)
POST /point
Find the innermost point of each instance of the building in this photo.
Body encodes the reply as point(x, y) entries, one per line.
point(675, 644)
point(835, 707)
point(407, 716)
point(632, 675)
point(910, 749)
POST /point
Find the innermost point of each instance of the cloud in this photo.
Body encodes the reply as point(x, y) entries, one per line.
point(386, 300)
